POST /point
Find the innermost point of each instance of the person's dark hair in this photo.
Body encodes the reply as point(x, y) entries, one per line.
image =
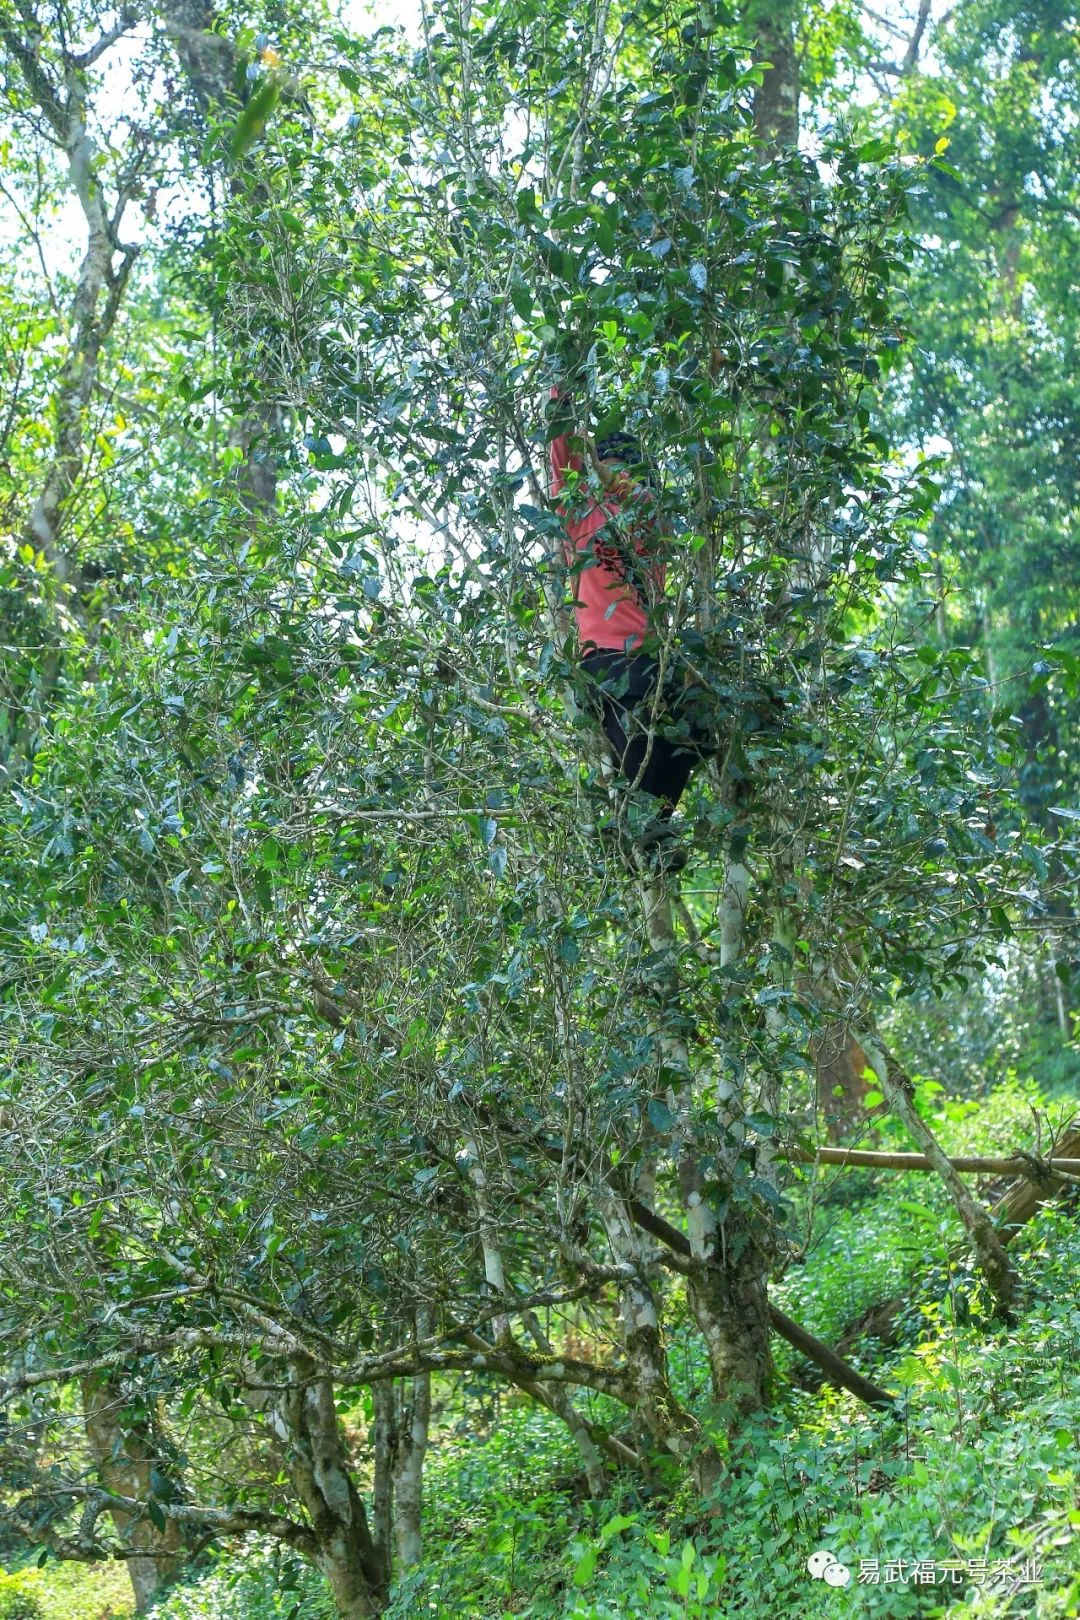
point(624, 447)
point(619, 447)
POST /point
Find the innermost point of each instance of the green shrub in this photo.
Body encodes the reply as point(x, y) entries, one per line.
point(981, 1466)
point(251, 1582)
point(17, 1599)
point(68, 1591)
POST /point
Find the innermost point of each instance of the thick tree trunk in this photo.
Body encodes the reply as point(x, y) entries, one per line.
point(665, 1420)
point(206, 53)
point(728, 1293)
point(839, 1066)
point(727, 1283)
point(654, 1403)
point(776, 100)
point(125, 1455)
point(355, 1568)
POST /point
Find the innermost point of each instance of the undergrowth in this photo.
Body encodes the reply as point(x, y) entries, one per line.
point(972, 1481)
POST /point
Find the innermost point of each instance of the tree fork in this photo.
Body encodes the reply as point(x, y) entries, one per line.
point(836, 1369)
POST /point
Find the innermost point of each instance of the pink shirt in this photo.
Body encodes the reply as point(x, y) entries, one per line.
point(610, 612)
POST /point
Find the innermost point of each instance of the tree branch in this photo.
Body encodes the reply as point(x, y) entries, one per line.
point(86, 59)
point(911, 55)
point(85, 1547)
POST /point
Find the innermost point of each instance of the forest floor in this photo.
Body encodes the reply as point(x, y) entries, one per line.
point(964, 1502)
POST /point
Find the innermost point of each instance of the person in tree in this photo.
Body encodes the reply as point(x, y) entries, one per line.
point(614, 549)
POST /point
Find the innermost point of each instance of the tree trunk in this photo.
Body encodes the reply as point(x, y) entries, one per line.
point(60, 99)
point(556, 1398)
point(653, 1402)
point(385, 1434)
point(670, 1427)
point(125, 1456)
point(409, 1470)
point(356, 1569)
point(839, 1066)
point(776, 99)
point(208, 57)
point(99, 287)
point(728, 1294)
point(727, 1284)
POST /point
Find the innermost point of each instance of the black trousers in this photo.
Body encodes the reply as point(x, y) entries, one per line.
point(670, 730)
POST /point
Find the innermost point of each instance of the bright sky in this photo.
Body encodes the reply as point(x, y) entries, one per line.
point(63, 235)
point(63, 238)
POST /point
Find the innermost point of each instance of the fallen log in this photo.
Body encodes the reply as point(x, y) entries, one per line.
point(1017, 1205)
point(1021, 1201)
point(1022, 1164)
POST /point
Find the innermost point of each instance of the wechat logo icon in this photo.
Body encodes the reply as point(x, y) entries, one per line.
point(825, 1566)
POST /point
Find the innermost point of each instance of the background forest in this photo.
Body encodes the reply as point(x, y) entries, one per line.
point(408, 1205)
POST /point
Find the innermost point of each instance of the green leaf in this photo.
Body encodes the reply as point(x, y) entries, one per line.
point(661, 1118)
point(615, 1526)
point(874, 151)
point(585, 1567)
point(252, 121)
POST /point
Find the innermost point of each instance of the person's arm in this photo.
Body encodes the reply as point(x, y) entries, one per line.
point(609, 476)
point(558, 449)
point(563, 453)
